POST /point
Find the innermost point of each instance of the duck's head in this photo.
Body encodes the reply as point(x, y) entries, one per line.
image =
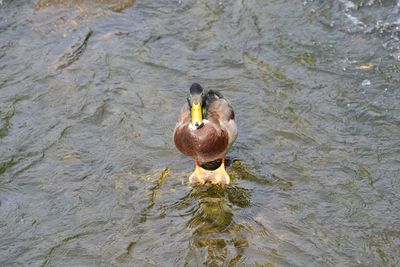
point(196, 101)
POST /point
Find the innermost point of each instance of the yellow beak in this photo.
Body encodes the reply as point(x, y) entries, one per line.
point(197, 114)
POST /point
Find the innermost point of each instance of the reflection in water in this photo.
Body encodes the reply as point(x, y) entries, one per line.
point(216, 237)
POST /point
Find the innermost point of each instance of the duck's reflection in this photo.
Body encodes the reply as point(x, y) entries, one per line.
point(216, 238)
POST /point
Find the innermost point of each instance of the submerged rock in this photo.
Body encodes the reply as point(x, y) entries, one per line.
point(74, 51)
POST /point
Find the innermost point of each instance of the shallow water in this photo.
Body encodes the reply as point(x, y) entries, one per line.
point(89, 95)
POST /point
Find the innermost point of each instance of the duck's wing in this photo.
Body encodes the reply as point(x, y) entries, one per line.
point(218, 108)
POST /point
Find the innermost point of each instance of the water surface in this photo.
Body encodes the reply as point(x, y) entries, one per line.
point(89, 95)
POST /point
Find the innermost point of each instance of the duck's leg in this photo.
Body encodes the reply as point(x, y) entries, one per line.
point(197, 176)
point(220, 175)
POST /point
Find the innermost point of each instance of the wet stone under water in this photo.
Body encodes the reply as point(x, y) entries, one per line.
point(90, 92)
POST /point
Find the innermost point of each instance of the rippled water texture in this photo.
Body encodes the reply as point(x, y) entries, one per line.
point(89, 95)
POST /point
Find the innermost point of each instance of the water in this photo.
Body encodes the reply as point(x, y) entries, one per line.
point(89, 95)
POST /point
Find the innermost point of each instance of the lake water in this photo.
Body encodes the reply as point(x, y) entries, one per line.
point(90, 92)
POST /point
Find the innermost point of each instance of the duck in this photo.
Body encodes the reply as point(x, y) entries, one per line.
point(205, 131)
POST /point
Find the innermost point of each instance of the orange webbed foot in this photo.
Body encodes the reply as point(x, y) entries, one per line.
point(218, 176)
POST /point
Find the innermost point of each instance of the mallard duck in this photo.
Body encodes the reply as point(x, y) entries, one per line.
point(205, 131)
